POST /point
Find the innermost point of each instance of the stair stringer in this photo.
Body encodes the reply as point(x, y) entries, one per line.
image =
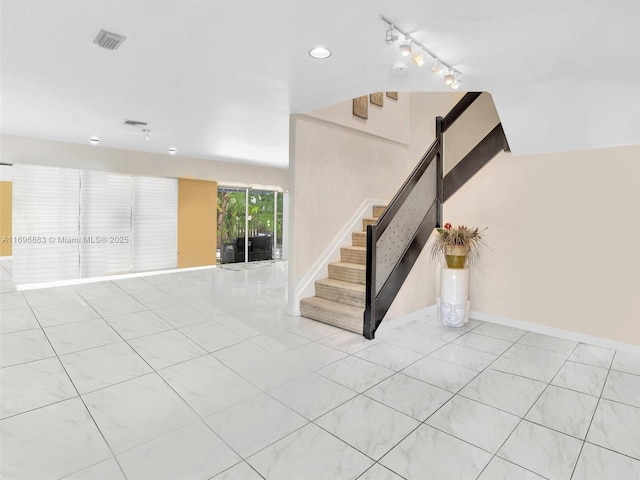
point(318, 271)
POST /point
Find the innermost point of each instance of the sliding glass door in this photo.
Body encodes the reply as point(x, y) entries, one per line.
point(249, 225)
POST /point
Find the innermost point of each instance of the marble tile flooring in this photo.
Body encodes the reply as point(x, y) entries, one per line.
point(202, 374)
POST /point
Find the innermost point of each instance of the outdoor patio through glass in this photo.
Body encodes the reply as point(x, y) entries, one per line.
point(249, 225)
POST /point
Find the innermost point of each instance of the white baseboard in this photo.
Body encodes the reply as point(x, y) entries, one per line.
point(557, 332)
point(529, 326)
point(318, 271)
point(79, 281)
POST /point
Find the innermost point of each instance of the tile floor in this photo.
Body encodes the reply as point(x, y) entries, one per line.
point(201, 375)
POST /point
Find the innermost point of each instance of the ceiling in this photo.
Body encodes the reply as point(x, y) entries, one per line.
point(218, 79)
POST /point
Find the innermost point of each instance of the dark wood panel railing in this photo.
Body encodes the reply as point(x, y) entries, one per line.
point(379, 298)
point(472, 162)
point(405, 190)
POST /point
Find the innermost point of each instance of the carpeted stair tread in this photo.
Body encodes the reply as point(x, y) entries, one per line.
point(347, 272)
point(337, 314)
point(378, 210)
point(354, 255)
point(368, 221)
point(341, 292)
point(359, 239)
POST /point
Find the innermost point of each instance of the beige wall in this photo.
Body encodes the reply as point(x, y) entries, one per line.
point(33, 151)
point(6, 226)
point(391, 121)
point(334, 168)
point(564, 238)
point(197, 222)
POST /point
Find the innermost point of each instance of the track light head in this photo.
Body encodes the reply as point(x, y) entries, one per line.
point(437, 68)
point(405, 48)
point(449, 78)
point(418, 58)
point(391, 36)
point(456, 83)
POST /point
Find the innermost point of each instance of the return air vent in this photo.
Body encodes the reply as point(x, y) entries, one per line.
point(134, 123)
point(109, 40)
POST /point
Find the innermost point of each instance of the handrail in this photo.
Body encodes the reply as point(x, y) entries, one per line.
point(492, 144)
point(458, 109)
point(379, 298)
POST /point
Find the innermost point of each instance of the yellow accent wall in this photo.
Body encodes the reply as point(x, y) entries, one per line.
point(197, 222)
point(5, 217)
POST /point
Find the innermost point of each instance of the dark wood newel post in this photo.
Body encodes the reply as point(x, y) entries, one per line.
point(439, 170)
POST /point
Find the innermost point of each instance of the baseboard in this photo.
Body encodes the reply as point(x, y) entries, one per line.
point(79, 281)
point(318, 271)
point(529, 326)
point(557, 332)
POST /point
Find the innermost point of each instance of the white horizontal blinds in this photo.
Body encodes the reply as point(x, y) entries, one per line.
point(105, 223)
point(154, 224)
point(45, 223)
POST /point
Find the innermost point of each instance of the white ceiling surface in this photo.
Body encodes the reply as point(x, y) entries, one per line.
point(218, 79)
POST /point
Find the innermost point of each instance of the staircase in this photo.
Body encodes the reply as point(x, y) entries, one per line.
point(340, 299)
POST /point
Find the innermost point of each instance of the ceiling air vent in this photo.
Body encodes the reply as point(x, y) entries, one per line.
point(134, 123)
point(109, 40)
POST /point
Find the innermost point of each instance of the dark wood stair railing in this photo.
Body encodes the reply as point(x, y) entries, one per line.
point(415, 211)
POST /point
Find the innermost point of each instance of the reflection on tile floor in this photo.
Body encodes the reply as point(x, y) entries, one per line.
point(203, 375)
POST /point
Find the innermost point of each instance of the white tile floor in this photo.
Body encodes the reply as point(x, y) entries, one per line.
point(201, 375)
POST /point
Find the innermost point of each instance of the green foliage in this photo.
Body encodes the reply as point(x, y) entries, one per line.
point(231, 214)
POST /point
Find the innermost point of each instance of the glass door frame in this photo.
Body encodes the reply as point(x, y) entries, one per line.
point(274, 232)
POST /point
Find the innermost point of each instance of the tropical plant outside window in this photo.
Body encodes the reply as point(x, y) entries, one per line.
point(262, 216)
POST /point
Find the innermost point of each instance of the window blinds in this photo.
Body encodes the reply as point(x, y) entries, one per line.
point(105, 223)
point(45, 223)
point(71, 223)
point(154, 224)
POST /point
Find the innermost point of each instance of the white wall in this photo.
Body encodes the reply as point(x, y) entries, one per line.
point(564, 238)
point(14, 149)
point(334, 168)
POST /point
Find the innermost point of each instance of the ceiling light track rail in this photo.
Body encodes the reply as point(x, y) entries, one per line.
point(452, 78)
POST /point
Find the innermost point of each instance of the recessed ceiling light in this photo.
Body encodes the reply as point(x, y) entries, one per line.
point(320, 52)
point(94, 140)
point(172, 150)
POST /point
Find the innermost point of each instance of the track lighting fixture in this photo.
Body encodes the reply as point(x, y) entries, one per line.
point(405, 48)
point(452, 77)
point(449, 78)
point(418, 58)
point(391, 36)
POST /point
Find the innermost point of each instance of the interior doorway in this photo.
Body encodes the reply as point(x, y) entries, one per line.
point(250, 224)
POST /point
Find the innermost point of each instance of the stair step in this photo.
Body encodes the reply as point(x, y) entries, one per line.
point(339, 315)
point(368, 221)
point(378, 209)
point(341, 292)
point(354, 255)
point(359, 239)
point(347, 272)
